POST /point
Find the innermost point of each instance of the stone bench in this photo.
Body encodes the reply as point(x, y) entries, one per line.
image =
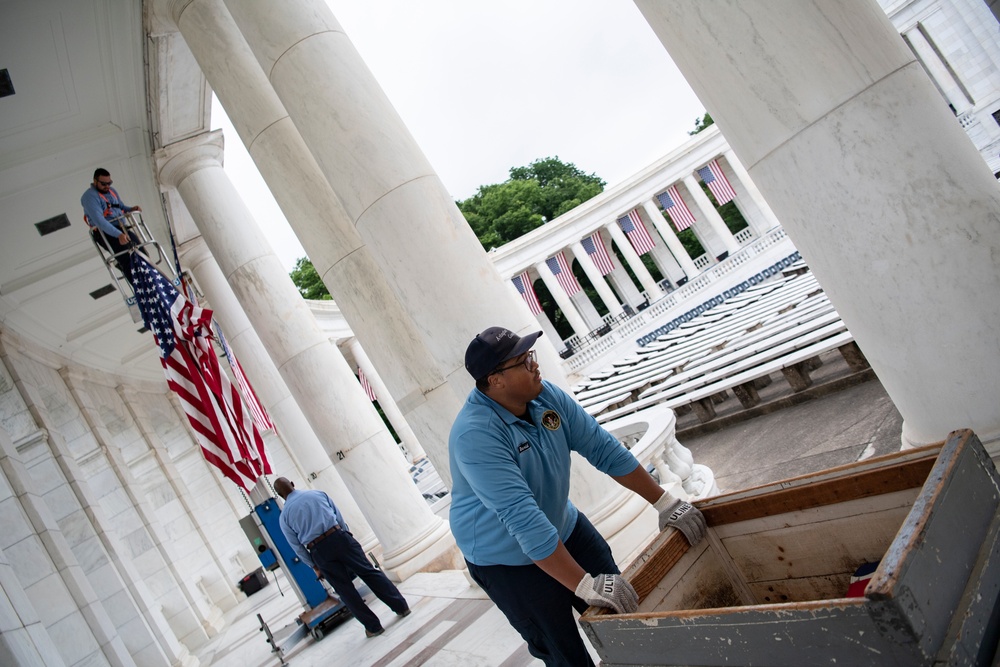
point(792, 363)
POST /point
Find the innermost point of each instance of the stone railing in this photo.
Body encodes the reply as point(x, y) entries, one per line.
point(703, 262)
point(744, 236)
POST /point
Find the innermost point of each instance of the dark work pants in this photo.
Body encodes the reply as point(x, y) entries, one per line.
point(124, 261)
point(539, 607)
point(339, 557)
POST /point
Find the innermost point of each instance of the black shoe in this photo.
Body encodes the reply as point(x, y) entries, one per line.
point(404, 613)
point(369, 634)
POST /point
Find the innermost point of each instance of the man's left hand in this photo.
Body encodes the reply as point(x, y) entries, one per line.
point(135, 208)
point(319, 575)
point(683, 516)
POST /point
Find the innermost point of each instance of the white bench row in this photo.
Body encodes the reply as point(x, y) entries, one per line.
point(724, 340)
point(792, 363)
point(756, 327)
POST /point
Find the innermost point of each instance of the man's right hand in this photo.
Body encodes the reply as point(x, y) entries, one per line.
point(123, 238)
point(608, 590)
point(319, 575)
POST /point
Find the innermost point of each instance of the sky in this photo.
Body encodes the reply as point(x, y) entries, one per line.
point(484, 87)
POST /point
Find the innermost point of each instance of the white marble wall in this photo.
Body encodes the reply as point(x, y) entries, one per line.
point(24, 635)
point(124, 530)
point(146, 543)
point(959, 38)
point(73, 625)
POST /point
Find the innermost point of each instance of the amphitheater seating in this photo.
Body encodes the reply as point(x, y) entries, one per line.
point(777, 326)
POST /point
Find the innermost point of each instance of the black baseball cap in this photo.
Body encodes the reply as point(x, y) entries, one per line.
point(493, 347)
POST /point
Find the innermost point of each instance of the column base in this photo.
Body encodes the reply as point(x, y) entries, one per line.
point(629, 538)
point(433, 552)
point(990, 440)
point(187, 659)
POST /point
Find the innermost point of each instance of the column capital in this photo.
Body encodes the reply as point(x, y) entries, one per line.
point(174, 8)
point(178, 160)
point(194, 251)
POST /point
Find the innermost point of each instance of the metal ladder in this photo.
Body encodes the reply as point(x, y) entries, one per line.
point(133, 225)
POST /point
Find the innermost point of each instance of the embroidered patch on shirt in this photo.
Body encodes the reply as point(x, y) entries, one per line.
point(550, 420)
point(523, 447)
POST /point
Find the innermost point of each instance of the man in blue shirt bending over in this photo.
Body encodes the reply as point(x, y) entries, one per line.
point(525, 543)
point(317, 533)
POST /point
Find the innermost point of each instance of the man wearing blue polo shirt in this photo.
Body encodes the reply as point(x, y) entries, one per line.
point(525, 543)
point(104, 212)
point(317, 533)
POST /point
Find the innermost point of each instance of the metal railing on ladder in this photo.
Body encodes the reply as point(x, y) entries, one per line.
point(118, 262)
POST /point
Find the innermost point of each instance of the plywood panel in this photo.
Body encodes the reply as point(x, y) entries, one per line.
point(705, 585)
point(815, 549)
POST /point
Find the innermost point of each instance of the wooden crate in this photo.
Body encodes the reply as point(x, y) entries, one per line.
point(767, 585)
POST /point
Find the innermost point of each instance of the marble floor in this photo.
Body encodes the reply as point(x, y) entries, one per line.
point(452, 624)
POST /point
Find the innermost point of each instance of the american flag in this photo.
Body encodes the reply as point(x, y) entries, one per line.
point(523, 284)
point(363, 379)
point(676, 208)
point(260, 417)
point(560, 269)
point(228, 437)
point(636, 232)
point(594, 245)
point(716, 181)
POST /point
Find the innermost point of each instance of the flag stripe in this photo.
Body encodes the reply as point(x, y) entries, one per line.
point(717, 182)
point(560, 269)
point(524, 287)
point(224, 429)
point(363, 379)
point(594, 245)
point(204, 426)
point(676, 208)
point(260, 417)
point(636, 232)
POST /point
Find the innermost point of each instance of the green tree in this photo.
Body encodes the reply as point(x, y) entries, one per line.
point(532, 196)
point(307, 281)
point(701, 123)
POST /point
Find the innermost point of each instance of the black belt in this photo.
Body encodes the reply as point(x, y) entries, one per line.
point(321, 537)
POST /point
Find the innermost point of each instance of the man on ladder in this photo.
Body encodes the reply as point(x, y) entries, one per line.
point(104, 212)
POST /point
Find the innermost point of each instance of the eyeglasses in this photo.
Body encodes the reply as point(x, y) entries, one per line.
point(528, 361)
point(105, 183)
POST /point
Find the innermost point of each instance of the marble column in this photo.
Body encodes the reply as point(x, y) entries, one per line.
point(597, 280)
point(940, 74)
point(767, 221)
point(901, 223)
point(347, 266)
point(670, 238)
point(634, 261)
point(406, 217)
point(271, 389)
point(710, 215)
point(385, 401)
point(563, 300)
point(319, 378)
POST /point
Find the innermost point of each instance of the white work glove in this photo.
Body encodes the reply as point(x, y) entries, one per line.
point(683, 516)
point(608, 590)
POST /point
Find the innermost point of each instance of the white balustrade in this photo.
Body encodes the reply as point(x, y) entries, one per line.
point(587, 352)
point(744, 236)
